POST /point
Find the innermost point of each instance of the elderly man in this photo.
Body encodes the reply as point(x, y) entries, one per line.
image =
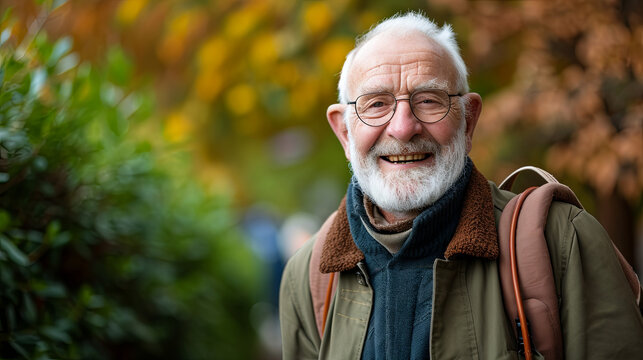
point(415, 239)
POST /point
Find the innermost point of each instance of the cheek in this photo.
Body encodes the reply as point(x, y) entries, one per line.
point(366, 136)
point(444, 131)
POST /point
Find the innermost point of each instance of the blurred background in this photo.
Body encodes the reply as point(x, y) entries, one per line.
point(161, 159)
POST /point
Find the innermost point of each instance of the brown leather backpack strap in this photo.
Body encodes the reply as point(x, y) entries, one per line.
point(537, 283)
point(525, 342)
point(319, 281)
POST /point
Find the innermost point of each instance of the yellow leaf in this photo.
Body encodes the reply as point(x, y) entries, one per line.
point(177, 127)
point(304, 97)
point(264, 50)
point(333, 53)
point(240, 23)
point(241, 99)
point(208, 85)
point(173, 45)
point(181, 24)
point(129, 10)
point(212, 53)
point(287, 73)
point(317, 17)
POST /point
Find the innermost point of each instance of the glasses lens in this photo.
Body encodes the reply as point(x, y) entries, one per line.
point(431, 105)
point(375, 109)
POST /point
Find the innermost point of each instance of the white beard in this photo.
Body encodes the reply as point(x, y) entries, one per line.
point(409, 189)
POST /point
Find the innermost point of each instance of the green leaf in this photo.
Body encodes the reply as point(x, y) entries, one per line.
point(56, 334)
point(52, 4)
point(11, 316)
point(38, 79)
point(5, 220)
point(52, 230)
point(61, 239)
point(26, 338)
point(34, 236)
point(19, 349)
point(53, 290)
point(13, 252)
point(6, 14)
point(57, 3)
point(40, 163)
point(29, 309)
point(119, 66)
point(61, 48)
point(67, 63)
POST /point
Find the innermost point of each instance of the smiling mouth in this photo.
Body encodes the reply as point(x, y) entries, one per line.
point(405, 159)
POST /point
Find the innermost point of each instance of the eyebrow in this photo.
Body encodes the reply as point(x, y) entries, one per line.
point(432, 84)
point(427, 85)
point(376, 88)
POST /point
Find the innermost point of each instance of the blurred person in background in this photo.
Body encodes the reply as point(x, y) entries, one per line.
point(415, 239)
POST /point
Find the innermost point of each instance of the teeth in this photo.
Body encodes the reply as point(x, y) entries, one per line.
point(403, 158)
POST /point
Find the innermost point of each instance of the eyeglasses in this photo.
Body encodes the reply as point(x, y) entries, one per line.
point(428, 106)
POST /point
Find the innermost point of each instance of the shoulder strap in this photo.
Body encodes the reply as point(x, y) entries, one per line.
point(537, 285)
point(543, 178)
point(535, 275)
point(319, 281)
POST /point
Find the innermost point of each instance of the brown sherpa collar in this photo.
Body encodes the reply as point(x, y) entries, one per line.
point(339, 252)
point(474, 236)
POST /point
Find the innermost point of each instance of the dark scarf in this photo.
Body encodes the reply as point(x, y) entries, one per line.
point(403, 282)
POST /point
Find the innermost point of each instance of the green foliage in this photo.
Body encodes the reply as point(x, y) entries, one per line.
point(108, 248)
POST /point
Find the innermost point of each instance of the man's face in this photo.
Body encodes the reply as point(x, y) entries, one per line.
point(401, 65)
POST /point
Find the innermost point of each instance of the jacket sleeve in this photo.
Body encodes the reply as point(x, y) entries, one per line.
point(599, 315)
point(298, 330)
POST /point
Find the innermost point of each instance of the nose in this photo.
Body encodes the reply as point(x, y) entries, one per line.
point(404, 125)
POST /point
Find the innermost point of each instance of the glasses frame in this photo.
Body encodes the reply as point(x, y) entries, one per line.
point(354, 103)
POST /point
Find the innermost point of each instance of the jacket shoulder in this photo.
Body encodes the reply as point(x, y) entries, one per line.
point(295, 279)
point(300, 339)
point(599, 313)
point(500, 199)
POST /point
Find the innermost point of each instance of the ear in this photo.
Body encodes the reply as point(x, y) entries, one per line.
point(335, 116)
point(473, 104)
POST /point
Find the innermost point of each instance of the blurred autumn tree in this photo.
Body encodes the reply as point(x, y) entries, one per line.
point(565, 82)
point(245, 85)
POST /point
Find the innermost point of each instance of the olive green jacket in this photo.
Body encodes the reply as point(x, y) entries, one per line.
point(598, 312)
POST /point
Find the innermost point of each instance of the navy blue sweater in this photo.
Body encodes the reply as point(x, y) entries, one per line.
point(400, 323)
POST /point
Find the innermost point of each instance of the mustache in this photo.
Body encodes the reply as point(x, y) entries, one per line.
point(417, 145)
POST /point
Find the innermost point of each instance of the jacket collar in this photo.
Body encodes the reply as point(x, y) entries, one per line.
point(475, 235)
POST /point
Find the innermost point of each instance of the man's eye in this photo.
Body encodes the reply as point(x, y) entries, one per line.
point(378, 104)
point(424, 100)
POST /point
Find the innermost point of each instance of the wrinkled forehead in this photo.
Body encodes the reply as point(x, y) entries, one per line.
point(401, 62)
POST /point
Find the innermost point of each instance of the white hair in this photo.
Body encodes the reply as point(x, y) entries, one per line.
point(404, 23)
